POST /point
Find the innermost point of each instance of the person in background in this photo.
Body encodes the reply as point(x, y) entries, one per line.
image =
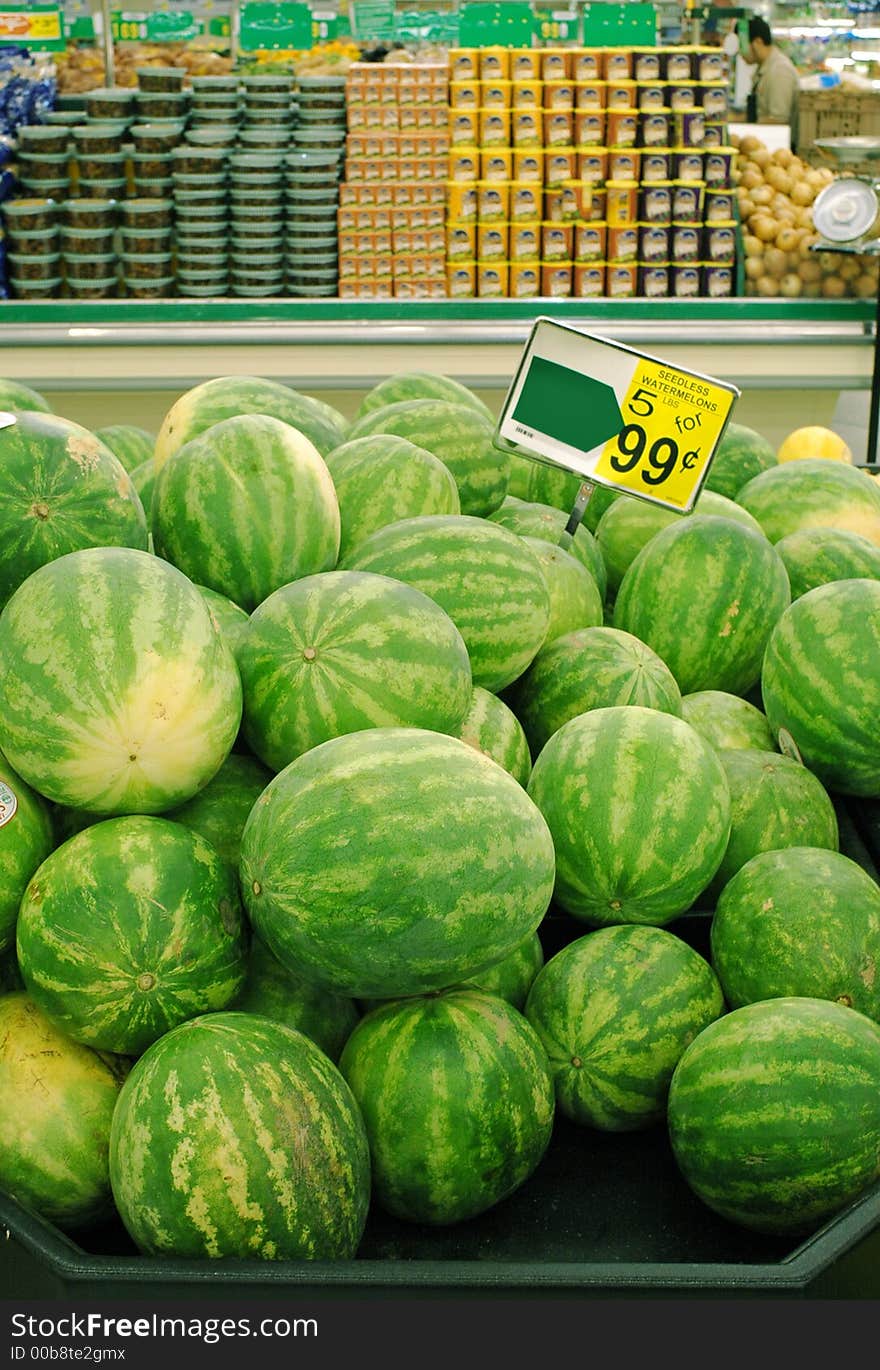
point(775, 86)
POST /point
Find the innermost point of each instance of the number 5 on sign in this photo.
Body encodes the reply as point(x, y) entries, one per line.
point(614, 415)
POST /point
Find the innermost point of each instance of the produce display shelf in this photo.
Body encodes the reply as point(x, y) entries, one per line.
point(603, 1215)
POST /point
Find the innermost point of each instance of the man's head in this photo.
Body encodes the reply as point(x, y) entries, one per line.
point(760, 41)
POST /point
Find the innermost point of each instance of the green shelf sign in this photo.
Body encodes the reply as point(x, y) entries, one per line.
point(373, 19)
point(504, 25)
point(275, 27)
point(619, 26)
point(168, 26)
point(557, 26)
point(38, 27)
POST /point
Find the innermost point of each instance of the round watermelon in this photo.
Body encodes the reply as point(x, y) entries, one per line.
point(229, 620)
point(458, 435)
point(25, 842)
point(56, 1105)
point(457, 1102)
point(394, 861)
point(639, 810)
point(15, 396)
point(117, 694)
point(336, 653)
point(742, 454)
point(488, 580)
point(816, 556)
point(512, 977)
point(774, 1113)
point(594, 668)
point(628, 524)
point(614, 1011)
point(821, 682)
point(774, 802)
point(245, 508)
point(382, 479)
point(10, 975)
point(129, 928)
point(143, 478)
point(726, 721)
point(60, 489)
point(706, 595)
point(543, 521)
point(132, 445)
point(493, 729)
point(273, 992)
point(229, 397)
point(813, 493)
point(799, 921)
point(420, 385)
point(236, 1136)
point(575, 601)
point(220, 810)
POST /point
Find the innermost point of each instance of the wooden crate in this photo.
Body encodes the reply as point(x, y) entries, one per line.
point(835, 114)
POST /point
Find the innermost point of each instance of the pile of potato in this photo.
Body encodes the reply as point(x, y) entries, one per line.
point(776, 191)
point(81, 69)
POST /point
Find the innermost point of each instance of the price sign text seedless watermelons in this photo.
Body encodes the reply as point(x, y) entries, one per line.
point(614, 415)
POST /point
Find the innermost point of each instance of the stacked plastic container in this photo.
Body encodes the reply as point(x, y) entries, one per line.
point(257, 233)
point(314, 167)
point(200, 186)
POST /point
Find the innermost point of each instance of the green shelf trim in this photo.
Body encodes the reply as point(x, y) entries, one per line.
point(673, 312)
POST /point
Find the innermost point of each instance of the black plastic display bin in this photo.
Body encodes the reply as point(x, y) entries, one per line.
point(604, 1215)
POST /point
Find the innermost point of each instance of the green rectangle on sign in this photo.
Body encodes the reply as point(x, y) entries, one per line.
point(274, 27)
point(567, 405)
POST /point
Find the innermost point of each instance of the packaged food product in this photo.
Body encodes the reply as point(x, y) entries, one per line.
point(715, 101)
point(618, 64)
point(719, 167)
point(685, 243)
point(710, 65)
point(525, 203)
point(37, 242)
point(718, 205)
point(161, 138)
point(32, 214)
point(464, 129)
point(496, 165)
point(687, 202)
point(528, 167)
point(622, 126)
point(492, 279)
point(589, 127)
point(719, 243)
point(651, 95)
point(679, 64)
point(110, 103)
point(560, 165)
point(656, 203)
point(557, 240)
point(493, 201)
point(589, 94)
point(624, 164)
point(526, 128)
point(464, 94)
point(91, 287)
point(525, 243)
point(161, 79)
point(494, 63)
point(654, 242)
point(138, 213)
point(622, 202)
point(525, 280)
point(556, 64)
point(494, 127)
point(621, 280)
point(653, 280)
point(588, 280)
point(525, 64)
point(464, 64)
point(655, 127)
point(464, 165)
point(461, 280)
point(714, 133)
point(586, 65)
point(687, 164)
point(646, 64)
point(656, 164)
point(146, 265)
point(91, 265)
point(684, 280)
point(594, 165)
point(589, 242)
point(716, 280)
point(620, 94)
point(51, 138)
point(173, 105)
point(556, 279)
point(558, 128)
point(161, 289)
point(133, 240)
point(527, 94)
point(461, 242)
point(44, 266)
point(492, 242)
point(622, 243)
point(496, 94)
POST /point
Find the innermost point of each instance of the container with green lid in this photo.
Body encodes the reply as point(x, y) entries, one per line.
point(193, 215)
point(40, 165)
point(103, 166)
point(268, 82)
point(199, 161)
point(185, 180)
point(64, 116)
point(160, 79)
point(43, 138)
point(146, 266)
point(92, 287)
point(319, 137)
point(256, 194)
point(30, 241)
point(203, 269)
point(147, 211)
point(54, 190)
point(214, 197)
point(206, 290)
point(267, 261)
point(145, 240)
point(192, 243)
point(35, 290)
point(110, 102)
point(90, 265)
point(43, 266)
point(256, 231)
point(167, 105)
point(160, 288)
point(87, 213)
point(311, 291)
point(307, 243)
point(211, 85)
point(153, 187)
point(263, 136)
point(258, 291)
point(156, 137)
point(212, 135)
point(102, 187)
point(98, 139)
point(86, 240)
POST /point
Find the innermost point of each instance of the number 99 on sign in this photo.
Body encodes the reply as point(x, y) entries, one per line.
point(660, 458)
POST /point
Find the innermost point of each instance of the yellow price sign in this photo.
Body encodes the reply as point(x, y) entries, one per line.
point(45, 25)
point(614, 415)
point(673, 421)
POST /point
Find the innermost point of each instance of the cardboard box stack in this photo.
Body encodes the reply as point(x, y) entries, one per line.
point(589, 172)
point(392, 214)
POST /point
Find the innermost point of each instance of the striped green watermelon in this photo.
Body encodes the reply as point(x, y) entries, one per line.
point(421, 385)
point(726, 721)
point(273, 992)
point(246, 507)
point(575, 600)
point(220, 810)
point(535, 482)
point(143, 478)
point(56, 1105)
point(339, 652)
point(543, 521)
point(594, 668)
point(229, 619)
point(132, 445)
point(706, 595)
point(15, 396)
point(614, 1011)
point(236, 1136)
point(816, 556)
point(25, 842)
point(458, 435)
point(774, 803)
point(813, 493)
point(512, 977)
point(799, 921)
point(488, 580)
point(628, 524)
point(494, 730)
point(229, 397)
point(774, 1113)
point(821, 682)
point(394, 861)
point(60, 489)
point(742, 454)
point(382, 479)
point(117, 694)
point(457, 1101)
point(128, 929)
point(10, 975)
point(639, 810)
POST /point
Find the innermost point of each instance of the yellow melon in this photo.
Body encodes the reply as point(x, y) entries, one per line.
point(814, 442)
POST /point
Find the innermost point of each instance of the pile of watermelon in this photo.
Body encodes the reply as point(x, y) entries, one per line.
point(310, 730)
